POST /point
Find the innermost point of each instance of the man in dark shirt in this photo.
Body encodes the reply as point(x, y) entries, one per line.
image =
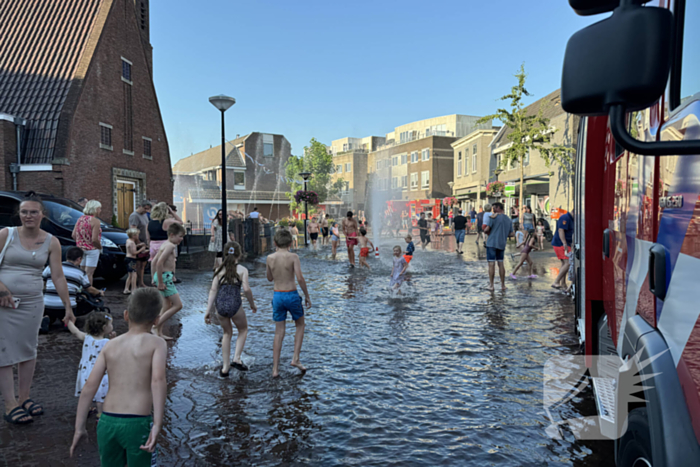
point(562, 243)
point(472, 219)
point(424, 231)
point(479, 225)
point(460, 224)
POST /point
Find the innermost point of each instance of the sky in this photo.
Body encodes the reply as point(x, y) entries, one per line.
point(330, 69)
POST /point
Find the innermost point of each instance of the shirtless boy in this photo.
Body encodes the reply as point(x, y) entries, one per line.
point(350, 228)
point(365, 244)
point(164, 262)
point(282, 268)
point(135, 362)
point(325, 231)
point(314, 228)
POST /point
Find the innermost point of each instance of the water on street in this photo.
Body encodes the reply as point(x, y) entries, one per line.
point(447, 374)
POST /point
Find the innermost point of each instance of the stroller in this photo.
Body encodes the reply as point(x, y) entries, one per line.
point(548, 234)
point(86, 304)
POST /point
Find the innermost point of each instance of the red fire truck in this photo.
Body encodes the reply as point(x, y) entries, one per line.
point(635, 77)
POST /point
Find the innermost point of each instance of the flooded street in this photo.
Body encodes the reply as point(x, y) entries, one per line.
point(448, 374)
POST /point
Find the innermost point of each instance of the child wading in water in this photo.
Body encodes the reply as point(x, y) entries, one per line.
point(132, 251)
point(135, 361)
point(97, 329)
point(163, 278)
point(295, 235)
point(226, 295)
point(398, 271)
point(540, 233)
point(364, 248)
point(282, 268)
point(529, 244)
point(410, 248)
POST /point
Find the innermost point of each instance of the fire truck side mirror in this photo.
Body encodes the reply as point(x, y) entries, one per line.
point(593, 7)
point(622, 60)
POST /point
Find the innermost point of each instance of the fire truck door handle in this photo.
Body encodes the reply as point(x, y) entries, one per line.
point(657, 271)
point(606, 243)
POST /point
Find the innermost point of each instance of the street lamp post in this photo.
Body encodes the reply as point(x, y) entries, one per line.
point(305, 176)
point(223, 103)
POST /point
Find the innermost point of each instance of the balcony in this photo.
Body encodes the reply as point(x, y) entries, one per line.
point(414, 136)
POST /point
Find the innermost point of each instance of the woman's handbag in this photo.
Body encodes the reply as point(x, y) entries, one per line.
point(10, 236)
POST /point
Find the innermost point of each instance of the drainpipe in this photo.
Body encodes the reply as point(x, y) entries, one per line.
point(15, 167)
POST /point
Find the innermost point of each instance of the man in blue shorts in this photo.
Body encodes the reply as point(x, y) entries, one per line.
point(498, 227)
point(472, 218)
point(282, 268)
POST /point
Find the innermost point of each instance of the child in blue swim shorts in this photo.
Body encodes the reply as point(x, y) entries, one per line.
point(283, 268)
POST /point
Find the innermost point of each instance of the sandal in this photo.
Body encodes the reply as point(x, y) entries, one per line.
point(16, 415)
point(239, 366)
point(34, 409)
point(224, 375)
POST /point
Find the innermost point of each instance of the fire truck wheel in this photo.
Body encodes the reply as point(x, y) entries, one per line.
point(635, 445)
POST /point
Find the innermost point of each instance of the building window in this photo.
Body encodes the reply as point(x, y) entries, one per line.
point(414, 156)
point(394, 182)
point(339, 168)
point(459, 164)
point(106, 136)
point(348, 167)
point(474, 163)
point(404, 159)
point(268, 146)
point(404, 181)
point(394, 161)
point(414, 181)
point(426, 154)
point(527, 158)
point(239, 180)
point(126, 70)
point(128, 121)
point(147, 148)
point(425, 179)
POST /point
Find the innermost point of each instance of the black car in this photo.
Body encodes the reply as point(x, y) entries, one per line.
point(61, 216)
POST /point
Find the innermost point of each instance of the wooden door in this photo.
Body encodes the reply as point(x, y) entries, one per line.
point(125, 202)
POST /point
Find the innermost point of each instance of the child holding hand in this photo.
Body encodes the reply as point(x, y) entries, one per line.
point(98, 330)
point(127, 432)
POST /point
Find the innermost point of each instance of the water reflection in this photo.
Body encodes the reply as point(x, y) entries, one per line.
point(446, 374)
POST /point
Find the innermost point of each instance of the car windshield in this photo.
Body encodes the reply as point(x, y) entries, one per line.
point(65, 216)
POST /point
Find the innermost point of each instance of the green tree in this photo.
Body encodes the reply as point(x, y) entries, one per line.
point(319, 162)
point(528, 132)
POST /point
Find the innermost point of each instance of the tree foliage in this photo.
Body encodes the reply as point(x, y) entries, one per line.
point(319, 163)
point(528, 132)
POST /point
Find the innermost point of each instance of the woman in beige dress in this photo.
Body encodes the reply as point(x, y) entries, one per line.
point(28, 249)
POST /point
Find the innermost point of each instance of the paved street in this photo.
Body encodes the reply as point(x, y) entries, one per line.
point(446, 373)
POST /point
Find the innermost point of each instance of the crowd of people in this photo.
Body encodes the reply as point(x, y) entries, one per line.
point(125, 376)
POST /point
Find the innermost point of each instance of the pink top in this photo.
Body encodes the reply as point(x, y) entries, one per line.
point(83, 233)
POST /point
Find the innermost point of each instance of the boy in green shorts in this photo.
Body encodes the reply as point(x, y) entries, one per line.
point(135, 361)
point(164, 264)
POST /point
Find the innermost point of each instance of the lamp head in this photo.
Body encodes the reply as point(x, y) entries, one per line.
point(305, 175)
point(222, 102)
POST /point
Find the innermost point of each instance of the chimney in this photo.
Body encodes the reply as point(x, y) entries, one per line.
point(143, 19)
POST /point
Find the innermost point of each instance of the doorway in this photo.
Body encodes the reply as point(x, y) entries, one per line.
point(126, 201)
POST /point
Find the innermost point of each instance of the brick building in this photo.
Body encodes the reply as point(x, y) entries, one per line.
point(546, 188)
point(255, 165)
point(350, 159)
point(417, 159)
point(79, 114)
point(472, 167)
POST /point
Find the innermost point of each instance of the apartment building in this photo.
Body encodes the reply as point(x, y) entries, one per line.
point(472, 167)
point(350, 159)
point(416, 160)
point(545, 188)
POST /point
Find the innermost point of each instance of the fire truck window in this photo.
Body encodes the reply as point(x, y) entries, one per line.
point(690, 64)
